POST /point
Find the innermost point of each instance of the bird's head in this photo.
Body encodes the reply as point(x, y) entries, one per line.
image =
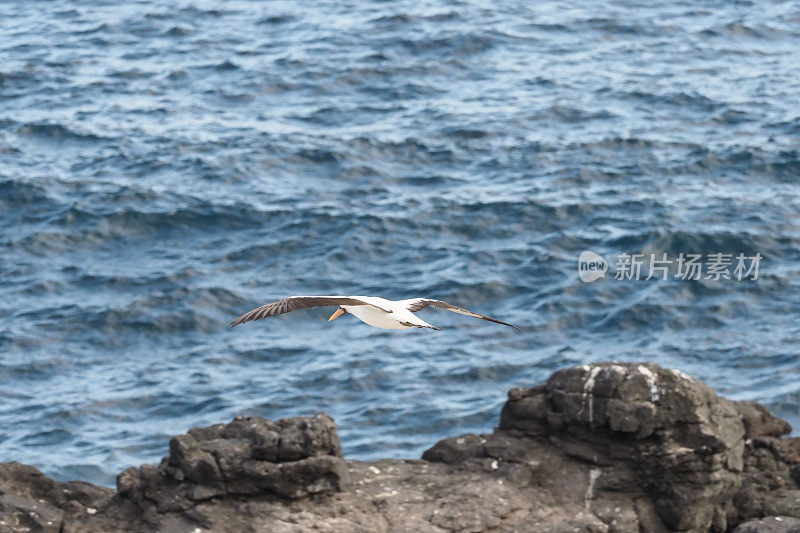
point(339, 312)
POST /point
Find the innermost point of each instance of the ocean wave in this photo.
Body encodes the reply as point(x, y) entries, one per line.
point(752, 161)
point(166, 312)
point(56, 132)
point(277, 19)
point(123, 222)
point(680, 100)
point(19, 193)
point(400, 20)
point(179, 31)
point(740, 29)
point(676, 242)
point(571, 114)
point(459, 45)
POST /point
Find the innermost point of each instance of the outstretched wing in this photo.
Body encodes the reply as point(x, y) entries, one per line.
point(421, 303)
point(294, 303)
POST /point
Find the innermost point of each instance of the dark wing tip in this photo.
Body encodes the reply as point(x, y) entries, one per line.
point(490, 319)
point(236, 322)
point(456, 309)
point(247, 317)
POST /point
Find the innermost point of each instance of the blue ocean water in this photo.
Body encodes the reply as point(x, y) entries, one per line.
point(166, 166)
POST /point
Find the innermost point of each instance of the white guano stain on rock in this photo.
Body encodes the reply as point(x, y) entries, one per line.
point(679, 374)
point(594, 474)
point(652, 382)
point(588, 391)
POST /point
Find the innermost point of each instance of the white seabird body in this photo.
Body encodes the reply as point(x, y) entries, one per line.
point(375, 314)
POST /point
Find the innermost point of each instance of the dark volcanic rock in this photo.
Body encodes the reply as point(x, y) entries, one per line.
point(31, 501)
point(292, 458)
point(21, 513)
point(609, 447)
point(678, 444)
point(772, 524)
point(759, 422)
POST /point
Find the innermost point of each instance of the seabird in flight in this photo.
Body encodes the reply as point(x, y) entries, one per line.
point(375, 311)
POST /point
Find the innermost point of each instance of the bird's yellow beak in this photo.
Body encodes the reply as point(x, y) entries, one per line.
point(339, 312)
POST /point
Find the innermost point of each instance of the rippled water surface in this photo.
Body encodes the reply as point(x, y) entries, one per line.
point(166, 166)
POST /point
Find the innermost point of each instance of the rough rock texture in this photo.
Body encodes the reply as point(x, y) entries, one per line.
point(609, 447)
point(31, 501)
point(772, 524)
point(677, 445)
point(292, 458)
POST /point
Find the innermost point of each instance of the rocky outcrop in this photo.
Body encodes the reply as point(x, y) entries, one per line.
point(677, 446)
point(609, 447)
point(250, 457)
point(772, 524)
point(31, 501)
point(292, 458)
